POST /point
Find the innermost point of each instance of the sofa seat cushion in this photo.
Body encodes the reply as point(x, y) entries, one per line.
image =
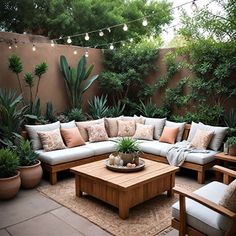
point(65, 155)
point(201, 158)
point(100, 148)
point(201, 217)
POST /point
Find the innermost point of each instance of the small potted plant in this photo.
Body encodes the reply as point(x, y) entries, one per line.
point(9, 176)
point(231, 141)
point(29, 166)
point(128, 149)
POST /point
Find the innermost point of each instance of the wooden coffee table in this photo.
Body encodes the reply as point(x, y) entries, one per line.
point(124, 190)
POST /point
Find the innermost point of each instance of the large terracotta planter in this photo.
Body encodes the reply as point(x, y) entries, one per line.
point(30, 175)
point(127, 157)
point(232, 150)
point(9, 187)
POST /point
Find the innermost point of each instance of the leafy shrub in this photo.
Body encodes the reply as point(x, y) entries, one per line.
point(116, 110)
point(232, 141)
point(75, 114)
point(97, 107)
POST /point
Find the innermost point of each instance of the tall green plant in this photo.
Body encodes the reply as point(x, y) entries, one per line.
point(75, 79)
point(29, 79)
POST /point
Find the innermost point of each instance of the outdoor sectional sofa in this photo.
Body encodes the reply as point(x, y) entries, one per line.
point(59, 160)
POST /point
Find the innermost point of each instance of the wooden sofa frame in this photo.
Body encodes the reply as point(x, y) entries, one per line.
point(53, 169)
point(181, 224)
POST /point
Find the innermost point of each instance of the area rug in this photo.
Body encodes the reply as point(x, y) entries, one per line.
point(149, 218)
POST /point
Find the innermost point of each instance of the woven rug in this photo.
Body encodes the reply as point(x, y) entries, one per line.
point(148, 218)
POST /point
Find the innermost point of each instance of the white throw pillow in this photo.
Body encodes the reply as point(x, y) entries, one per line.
point(193, 130)
point(158, 124)
point(181, 127)
point(33, 133)
point(68, 125)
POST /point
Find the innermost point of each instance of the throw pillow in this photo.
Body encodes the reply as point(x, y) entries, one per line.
point(111, 126)
point(33, 133)
point(68, 125)
point(72, 137)
point(201, 139)
point(82, 125)
point(193, 130)
point(158, 124)
point(219, 134)
point(51, 140)
point(97, 133)
point(169, 135)
point(144, 132)
point(126, 128)
point(137, 119)
point(229, 198)
point(181, 127)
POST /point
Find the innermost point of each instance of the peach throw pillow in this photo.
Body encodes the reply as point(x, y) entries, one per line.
point(126, 128)
point(201, 139)
point(97, 133)
point(169, 135)
point(72, 137)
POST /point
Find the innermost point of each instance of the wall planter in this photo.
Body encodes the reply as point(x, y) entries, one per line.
point(9, 187)
point(30, 175)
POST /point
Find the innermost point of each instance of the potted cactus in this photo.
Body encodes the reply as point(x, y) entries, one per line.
point(29, 166)
point(9, 176)
point(232, 145)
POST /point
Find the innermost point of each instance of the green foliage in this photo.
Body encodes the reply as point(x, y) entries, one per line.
point(230, 118)
point(127, 145)
point(29, 79)
point(232, 141)
point(12, 115)
point(149, 109)
point(49, 115)
point(75, 80)
point(8, 163)
point(75, 114)
point(116, 110)
point(98, 107)
point(25, 153)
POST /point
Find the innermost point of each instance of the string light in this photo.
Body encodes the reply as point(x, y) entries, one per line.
point(69, 40)
point(123, 44)
point(145, 23)
point(52, 43)
point(34, 48)
point(131, 40)
point(109, 30)
point(75, 52)
point(86, 37)
point(194, 6)
point(16, 46)
point(111, 46)
point(101, 33)
point(125, 27)
point(86, 54)
point(10, 47)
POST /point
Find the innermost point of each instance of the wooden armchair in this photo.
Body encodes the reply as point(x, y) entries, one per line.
point(198, 213)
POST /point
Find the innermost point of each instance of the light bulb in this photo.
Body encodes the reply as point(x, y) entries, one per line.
point(125, 27)
point(52, 43)
point(86, 37)
point(16, 46)
point(34, 48)
point(69, 40)
point(111, 46)
point(123, 44)
point(101, 33)
point(131, 40)
point(145, 23)
point(109, 30)
point(75, 52)
point(86, 54)
point(10, 47)
point(194, 6)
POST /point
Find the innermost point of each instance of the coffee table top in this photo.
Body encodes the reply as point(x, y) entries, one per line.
point(98, 171)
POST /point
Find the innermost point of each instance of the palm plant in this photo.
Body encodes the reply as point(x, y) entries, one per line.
point(75, 78)
point(97, 107)
point(29, 79)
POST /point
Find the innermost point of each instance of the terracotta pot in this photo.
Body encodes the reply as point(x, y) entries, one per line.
point(127, 157)
point(232, 150)
point(9, 187)
point(30, 175)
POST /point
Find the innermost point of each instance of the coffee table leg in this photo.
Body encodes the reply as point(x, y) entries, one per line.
point(170, 192)
point(123, 205)
point(77, 186)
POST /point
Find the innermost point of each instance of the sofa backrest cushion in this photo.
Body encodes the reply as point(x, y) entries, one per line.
point(193, 130)
point(137, 119)
point(33, 133)
point(97, 133)
point(126, 128)
point(180, 127)
point(158, 124)
point(201, 139)
point(169, 135)
point(144, 132)
point(82, 126)
point(68, 125)
point(72, 137)
point(111, 126)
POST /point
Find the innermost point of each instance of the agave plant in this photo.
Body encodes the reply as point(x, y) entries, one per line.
point(75, 79)
point(97, 107)
point(149, 110)
point(116, 110)
point(75, 114)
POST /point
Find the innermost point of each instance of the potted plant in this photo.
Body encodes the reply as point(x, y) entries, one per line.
point(128, 149)
point(29, 166)
point(9, 176)
point(232, 145)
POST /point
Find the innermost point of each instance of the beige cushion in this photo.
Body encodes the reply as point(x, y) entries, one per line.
point(229, 198)
point(97, 133)
point(51, 140)
point(82, 125)
point(33, 133)
point(126, 128)
point(181, 127)
point(68, 125)
point(201, 139)
point(144, 132)
point(193, 130)
point(111, 126)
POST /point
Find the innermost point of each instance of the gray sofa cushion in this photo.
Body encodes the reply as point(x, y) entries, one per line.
point(68, 125)
point(181, 127)
point(65, 155)
point(201, 217)
point(100, 148)
point(201, 158)
point(193, 130)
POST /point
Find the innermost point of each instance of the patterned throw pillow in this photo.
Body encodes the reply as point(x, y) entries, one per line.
point(51, 140)
point(72, 137)
point(229, 198)
point(97, 133)
point(126, 128)
point(169, 135)
point(201, 139)
point(144, 132)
